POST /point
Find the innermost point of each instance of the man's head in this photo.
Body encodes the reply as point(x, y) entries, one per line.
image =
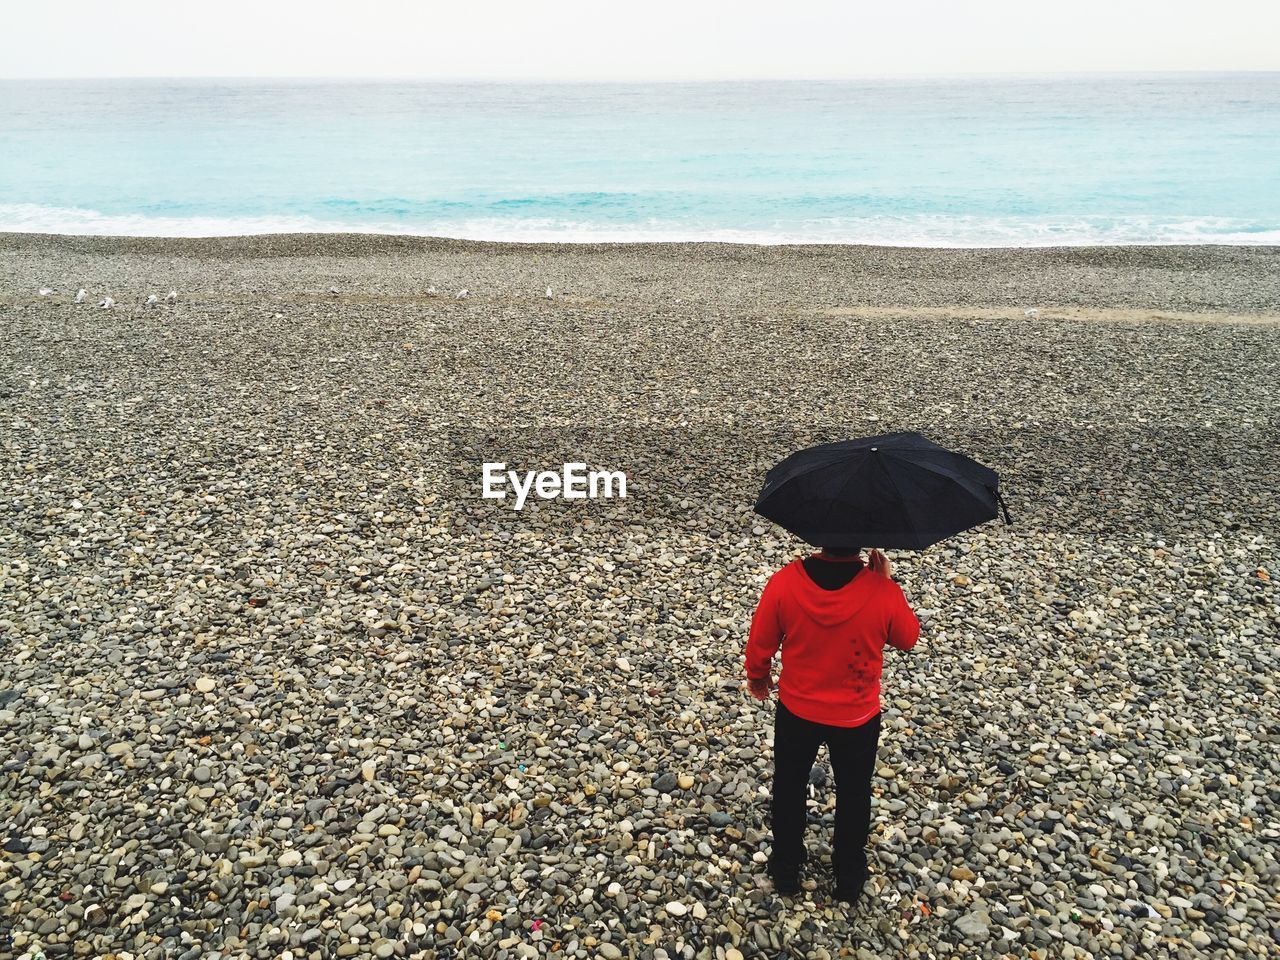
point(841, 551)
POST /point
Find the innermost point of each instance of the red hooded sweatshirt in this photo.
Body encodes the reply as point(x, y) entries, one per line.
point(831, 642)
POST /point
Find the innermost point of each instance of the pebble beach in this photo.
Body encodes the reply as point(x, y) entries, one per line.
point(275, 680)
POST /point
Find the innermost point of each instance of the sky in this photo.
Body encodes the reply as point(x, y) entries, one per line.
point(616, 40)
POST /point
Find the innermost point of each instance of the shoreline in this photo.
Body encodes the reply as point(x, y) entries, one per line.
point(340, 239)
point(777, 280)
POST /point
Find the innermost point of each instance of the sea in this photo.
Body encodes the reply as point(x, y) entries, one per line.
point(961, 161)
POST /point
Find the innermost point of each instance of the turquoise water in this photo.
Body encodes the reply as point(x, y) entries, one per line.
point(975, 162)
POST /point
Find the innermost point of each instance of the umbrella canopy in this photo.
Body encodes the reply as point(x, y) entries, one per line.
point(894, 490)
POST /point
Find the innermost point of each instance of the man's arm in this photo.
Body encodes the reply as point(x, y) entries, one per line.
point(764, 639)
point(904, 626)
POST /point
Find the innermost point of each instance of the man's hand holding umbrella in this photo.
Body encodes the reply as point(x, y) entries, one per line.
point(879, 563)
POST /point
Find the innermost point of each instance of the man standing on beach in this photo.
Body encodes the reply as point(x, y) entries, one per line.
point(832, 616)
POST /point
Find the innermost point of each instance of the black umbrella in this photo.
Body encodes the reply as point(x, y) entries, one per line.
point(895, 490)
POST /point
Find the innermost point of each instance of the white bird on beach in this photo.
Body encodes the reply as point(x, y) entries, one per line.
point(463, 294)
point(333, 289)
point(1031, 312)
point(173, 296)
point(45, 291)
point(431, 291)
point(548, 293)
point(152, 301)
point(107, 304)
point(82, 295)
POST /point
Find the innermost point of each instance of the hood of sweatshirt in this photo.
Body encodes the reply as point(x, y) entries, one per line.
point(830, 608)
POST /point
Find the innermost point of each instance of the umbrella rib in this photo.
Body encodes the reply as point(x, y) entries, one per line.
point(906, 515)
point(958, 478)
point(853, 475)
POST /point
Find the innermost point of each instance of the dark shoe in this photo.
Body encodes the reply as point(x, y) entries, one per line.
point(849, 889)
point(786, 885)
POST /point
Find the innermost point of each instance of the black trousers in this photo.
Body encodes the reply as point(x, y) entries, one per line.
point(853, 759)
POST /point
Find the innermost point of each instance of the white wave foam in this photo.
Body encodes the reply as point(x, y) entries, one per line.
point(35, 218)
point(912, 231)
